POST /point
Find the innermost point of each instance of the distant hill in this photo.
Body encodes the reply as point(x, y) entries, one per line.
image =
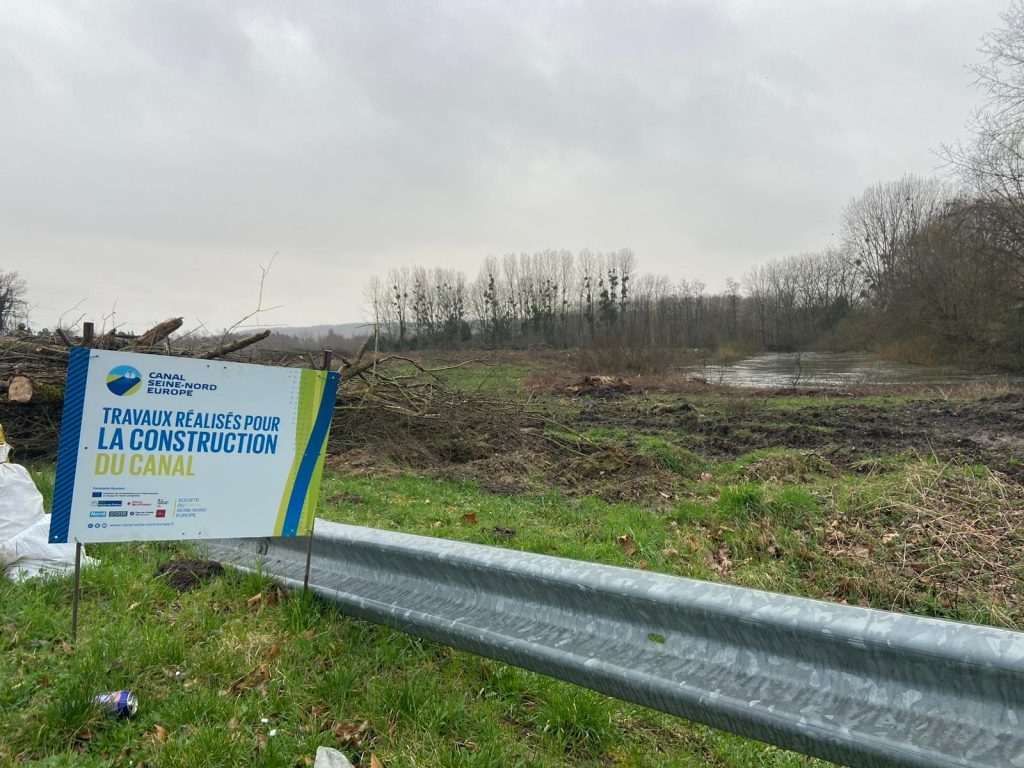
point(319, 331)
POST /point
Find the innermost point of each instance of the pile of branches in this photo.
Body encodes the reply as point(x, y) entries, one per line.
point(399, 410)
point(33, 372)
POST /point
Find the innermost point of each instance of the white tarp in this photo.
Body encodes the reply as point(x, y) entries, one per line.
point(24, 527)
point(21, 504)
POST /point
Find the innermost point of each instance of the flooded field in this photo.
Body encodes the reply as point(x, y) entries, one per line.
point(835, 369)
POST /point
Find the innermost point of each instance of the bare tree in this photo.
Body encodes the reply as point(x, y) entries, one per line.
point(991, 164)
point(13, 304)
point(880, 225)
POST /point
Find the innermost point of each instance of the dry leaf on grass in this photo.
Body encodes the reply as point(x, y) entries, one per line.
point(722, 560)
point(273, 651)
point(469, 518)
point(627, 544)
point(375, 762)
point(256, 677)
point(269, 598)
point(352, 734)
point(159, 734)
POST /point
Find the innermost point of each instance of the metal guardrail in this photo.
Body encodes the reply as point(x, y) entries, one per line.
point(856, 686)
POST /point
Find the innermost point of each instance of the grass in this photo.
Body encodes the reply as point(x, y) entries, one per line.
point(486, 377)
point(209, 668)
point(490, 378)
point(781, 520)
point(216, 671)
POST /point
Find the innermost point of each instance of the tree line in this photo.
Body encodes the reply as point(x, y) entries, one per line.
point(925, 269)
point(564, 299)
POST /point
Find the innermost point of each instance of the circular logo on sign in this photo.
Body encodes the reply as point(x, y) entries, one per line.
point(124, 380)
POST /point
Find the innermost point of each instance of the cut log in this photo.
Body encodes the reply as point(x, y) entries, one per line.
point(115, 339)
point(22, 389)
point(234, 346)
point(157, 333)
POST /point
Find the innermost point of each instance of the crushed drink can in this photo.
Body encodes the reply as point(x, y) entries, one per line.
point(117, 703)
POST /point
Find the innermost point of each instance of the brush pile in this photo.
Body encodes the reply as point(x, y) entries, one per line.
point(402, 411)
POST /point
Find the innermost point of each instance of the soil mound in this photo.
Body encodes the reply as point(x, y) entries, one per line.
point(186, 574)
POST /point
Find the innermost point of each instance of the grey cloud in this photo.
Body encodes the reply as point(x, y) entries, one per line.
point(155, 152)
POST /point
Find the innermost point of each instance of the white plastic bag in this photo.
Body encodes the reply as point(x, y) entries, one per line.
point(25, 548)
point(21, 504)
point(30, 553)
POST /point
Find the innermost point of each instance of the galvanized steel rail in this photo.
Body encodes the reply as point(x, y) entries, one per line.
point(852, 685)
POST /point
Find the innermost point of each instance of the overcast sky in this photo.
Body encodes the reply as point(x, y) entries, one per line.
point(155, 154)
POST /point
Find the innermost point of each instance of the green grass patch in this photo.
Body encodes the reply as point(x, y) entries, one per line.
point(501, 378)
point(218, 672)
point(671, 456)
point(880, 538)
point(211, 665)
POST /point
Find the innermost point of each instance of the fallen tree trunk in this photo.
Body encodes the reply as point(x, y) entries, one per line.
point(234, 346)
point(32, 348)
point(157, 333)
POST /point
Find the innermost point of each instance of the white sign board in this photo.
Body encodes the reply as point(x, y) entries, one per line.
point(155, 447)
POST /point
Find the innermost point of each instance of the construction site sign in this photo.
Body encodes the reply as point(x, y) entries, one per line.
point(158, 448)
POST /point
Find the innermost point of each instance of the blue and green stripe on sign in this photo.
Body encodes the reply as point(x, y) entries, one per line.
point(317, 393)
point(67, 452)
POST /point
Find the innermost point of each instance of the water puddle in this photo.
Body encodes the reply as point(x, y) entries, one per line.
point(836, 369)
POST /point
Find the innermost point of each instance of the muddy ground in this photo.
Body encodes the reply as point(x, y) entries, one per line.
point(986, 431)
point(603, 445)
